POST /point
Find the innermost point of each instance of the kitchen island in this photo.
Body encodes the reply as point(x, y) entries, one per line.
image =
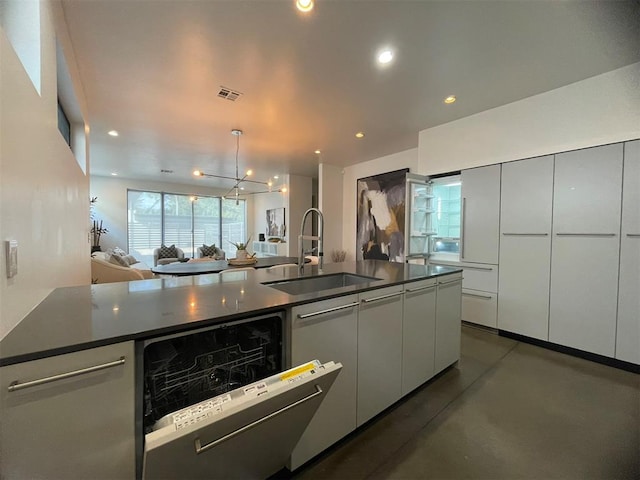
point(108, 324)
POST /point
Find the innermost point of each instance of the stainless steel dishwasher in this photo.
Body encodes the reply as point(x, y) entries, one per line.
point(218, 405)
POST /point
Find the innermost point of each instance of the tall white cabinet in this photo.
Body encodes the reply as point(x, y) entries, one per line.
point(585, 246)
point(480, 214)
point(628, 328)
point(525, 246)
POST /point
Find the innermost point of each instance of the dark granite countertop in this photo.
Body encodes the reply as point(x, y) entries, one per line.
point(77, 318)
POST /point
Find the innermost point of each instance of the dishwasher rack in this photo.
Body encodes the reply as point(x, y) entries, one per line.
point(182, 370)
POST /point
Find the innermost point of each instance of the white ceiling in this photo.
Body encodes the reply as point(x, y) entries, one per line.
point(151, 69)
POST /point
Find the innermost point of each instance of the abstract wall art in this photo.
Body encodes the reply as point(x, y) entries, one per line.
point(275, 222)
point(381, 216)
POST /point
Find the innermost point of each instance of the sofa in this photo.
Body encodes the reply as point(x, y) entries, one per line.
point(104, 269)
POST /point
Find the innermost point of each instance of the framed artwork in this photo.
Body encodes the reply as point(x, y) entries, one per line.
point(275, 222)
point(381, 216)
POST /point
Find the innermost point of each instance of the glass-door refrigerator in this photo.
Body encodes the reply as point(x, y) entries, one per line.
point(419, 218)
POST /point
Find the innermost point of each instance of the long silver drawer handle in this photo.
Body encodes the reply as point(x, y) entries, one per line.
point(302, 316)
point(586, 234)
point(381, 297)
point(633, 234)
point(526, 234)
point(203, 448)
point(15, 386)
point(450, 282)
point(489, 297)
point(464, 216)
point(412, 290)
point(486, 269)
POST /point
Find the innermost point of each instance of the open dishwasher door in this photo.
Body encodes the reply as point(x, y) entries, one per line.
point(247, 433)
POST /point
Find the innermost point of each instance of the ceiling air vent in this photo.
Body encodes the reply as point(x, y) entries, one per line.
point(229, 94)
point(164, 170)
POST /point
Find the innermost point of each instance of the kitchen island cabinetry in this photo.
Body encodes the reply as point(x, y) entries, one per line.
point(448, 309)
point(628, 327)
point(418, 333)
point(525, 246)
point(586, 228)
point(379, 351)
point(70, 416)
point(327, 331)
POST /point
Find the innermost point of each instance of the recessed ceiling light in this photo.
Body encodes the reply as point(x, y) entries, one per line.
point(115, 174)
point(113, 133)
point(385, 56)
point(276, 177)
point(359, 134)
point(450, 99)
point(317, 152)
point(304, 5)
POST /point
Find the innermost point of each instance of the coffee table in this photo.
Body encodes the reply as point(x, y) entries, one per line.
point(200, 267)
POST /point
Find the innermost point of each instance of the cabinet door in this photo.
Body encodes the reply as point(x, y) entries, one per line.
point(587, 191)
point(584, 293)
point(80, 425)
point(448, 323)
point(523, 300)
point(379, 351)
point(525, 246)
point(628, 328)
point(418, 333)
point(331, 336)
point(587, 199)
point(480, 214)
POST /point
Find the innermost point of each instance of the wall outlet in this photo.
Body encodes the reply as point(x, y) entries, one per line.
point(11, 249)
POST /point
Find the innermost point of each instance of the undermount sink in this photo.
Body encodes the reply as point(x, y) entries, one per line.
point(300, 286)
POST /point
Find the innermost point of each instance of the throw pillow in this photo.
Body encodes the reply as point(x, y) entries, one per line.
point(168, 252)
point(211, 251)
point(130, 259)
point(119, 251)
point(118, 260)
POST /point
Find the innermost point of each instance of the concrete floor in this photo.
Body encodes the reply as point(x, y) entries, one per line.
point(508, 410)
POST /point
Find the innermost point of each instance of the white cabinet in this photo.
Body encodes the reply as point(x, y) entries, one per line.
point(418, 333)
point(328, 336)
point(70, 416)
point(585, 246)
point(628, 328)
point(270, 249)
point(480, 214)
point(448, 324)
point(480, 294)
point(379, 351)
point(526, 204)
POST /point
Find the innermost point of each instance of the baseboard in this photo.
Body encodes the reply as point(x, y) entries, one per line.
point(594, 357)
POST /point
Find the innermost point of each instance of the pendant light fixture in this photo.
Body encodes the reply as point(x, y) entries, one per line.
point(237, 179)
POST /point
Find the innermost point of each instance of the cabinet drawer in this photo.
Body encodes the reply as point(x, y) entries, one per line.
point(480, 307)
point(480, 277)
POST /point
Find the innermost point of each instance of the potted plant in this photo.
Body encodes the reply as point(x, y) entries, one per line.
point(97, 230)
point(241, 247)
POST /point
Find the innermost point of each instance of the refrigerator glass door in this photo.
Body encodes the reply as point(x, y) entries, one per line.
point(246, 433)
point(420, 219)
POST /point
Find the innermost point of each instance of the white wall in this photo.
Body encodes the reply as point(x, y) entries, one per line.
point(389, 163)
point(330, 204)
point(111, 206)
point(44, 195)
point(600, 110)
point(299, 200)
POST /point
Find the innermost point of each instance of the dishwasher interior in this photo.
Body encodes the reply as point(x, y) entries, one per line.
point(187, 368)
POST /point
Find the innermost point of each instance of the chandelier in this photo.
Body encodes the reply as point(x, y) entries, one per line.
point(238, 180)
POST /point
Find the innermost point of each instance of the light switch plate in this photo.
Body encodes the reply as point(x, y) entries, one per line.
point(11, 249)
